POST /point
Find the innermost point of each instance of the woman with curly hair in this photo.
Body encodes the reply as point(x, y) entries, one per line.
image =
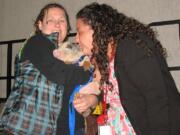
point(140, 94)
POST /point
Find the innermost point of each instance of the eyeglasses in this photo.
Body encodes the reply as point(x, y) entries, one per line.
point(55, 22)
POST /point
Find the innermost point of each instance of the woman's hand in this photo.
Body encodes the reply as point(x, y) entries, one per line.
point(83, 102)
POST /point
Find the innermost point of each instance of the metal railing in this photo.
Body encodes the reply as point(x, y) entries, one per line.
point(170, 22)
point(9, 76)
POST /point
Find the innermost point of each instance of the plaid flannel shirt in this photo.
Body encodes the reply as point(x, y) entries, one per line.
point(34, 103)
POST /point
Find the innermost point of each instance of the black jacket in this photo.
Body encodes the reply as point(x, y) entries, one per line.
point(147, 89)
point(39, 50)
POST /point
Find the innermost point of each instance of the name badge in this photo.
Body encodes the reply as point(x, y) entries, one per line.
point(104, 130)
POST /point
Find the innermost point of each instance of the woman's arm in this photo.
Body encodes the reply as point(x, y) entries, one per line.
point(39, 50)
point(145, 74)
point(89, 95)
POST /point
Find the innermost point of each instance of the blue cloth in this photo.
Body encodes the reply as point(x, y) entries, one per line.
point(72, 109)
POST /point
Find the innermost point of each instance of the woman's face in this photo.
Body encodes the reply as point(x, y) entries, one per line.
point(84, 37)
point(54, 21)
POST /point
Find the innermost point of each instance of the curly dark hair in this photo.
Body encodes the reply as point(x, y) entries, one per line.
point(108, 24)
point(44, 11)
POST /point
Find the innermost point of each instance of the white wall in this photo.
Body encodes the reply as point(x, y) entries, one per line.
point(17, 17)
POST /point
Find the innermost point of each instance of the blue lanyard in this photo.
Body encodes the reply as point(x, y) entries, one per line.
point(72, 117)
